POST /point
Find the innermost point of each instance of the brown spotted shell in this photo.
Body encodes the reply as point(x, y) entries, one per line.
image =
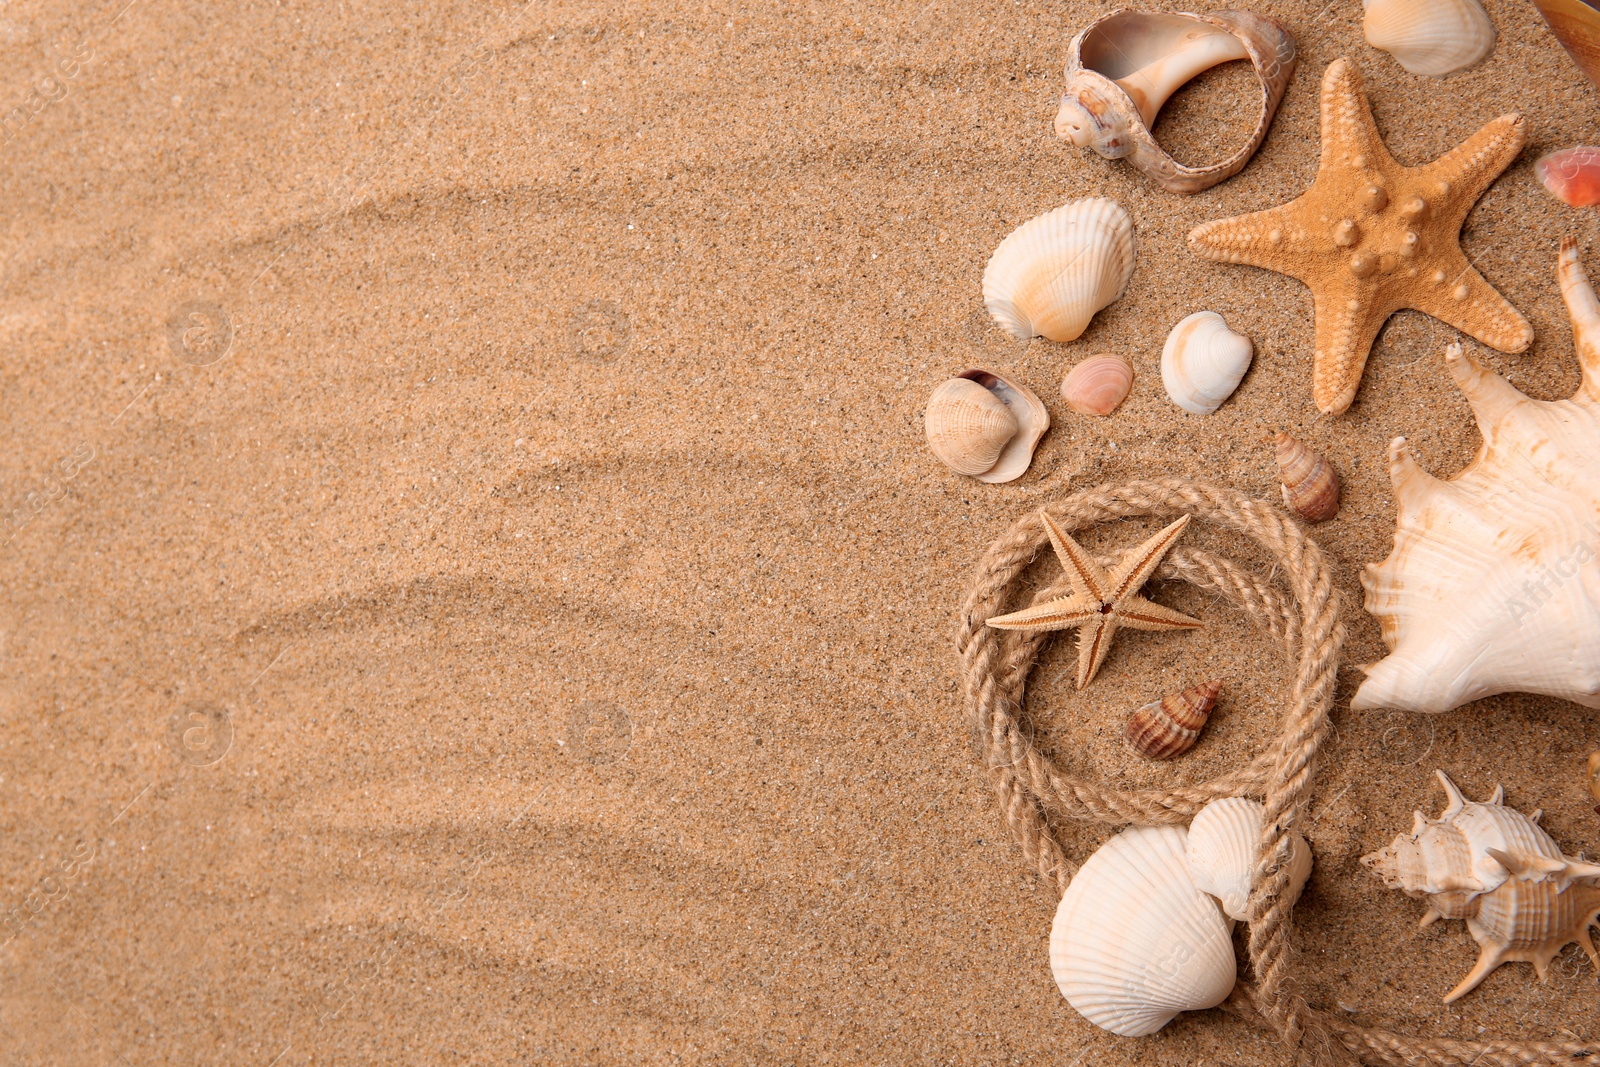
point(1310, 486)
point(1170, 726)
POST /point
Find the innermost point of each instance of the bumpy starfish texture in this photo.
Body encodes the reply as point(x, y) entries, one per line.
point(1101, 600)
point(1371, 237)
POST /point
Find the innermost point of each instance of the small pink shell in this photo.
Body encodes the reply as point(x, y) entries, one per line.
point(1572, 175)
point(1097, 385)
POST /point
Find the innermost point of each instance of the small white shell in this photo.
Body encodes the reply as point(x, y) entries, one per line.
point(1431, 37)
point(1134, 942)
point(1049, 277)
point(1097, 385)
point(1222, 853)
point(985, 425)
point(1203, 362)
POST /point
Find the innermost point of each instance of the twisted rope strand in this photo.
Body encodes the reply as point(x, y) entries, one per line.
point(1030, 789)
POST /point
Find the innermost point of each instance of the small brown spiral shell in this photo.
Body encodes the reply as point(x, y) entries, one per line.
point(1170, 726)
point(1310, 487)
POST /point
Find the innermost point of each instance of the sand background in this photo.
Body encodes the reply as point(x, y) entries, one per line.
point(521, 630)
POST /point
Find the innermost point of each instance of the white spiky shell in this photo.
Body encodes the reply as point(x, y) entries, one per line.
point(1493, 584)
point(1454, 854)
point(1526, 904)
point(1134, 941)
point(1052, 273)
point(1203, 362)
point(1221, 853)
point(1430, 37)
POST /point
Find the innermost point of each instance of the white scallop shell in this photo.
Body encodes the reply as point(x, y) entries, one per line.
point(1431, 37)
point(1134, 942)
point(1222, 853)
point(1203, 362)
point(1049, 277)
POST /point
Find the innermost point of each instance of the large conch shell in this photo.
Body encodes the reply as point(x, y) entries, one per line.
point(1222, 854)
point(1493, 585)
point(1052, 273)
point(1576, 25)
point(1523, 899)
point(1123, 67)
point(1431, 37)
point(1134, 941)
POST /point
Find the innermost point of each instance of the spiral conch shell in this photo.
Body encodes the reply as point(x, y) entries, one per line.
point(1123, 67)
point(1052, 273)
point(985, 425)
point(1097, 385)
point(1170, 726)
point(1523, 899)
point(1134, 941)
point(1203, 362)
point(1431, 37)
point(1493, 585)
point(1221, 853)
point(1310, 487)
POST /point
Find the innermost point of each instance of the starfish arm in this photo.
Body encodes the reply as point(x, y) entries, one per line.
point(1348, 316)
point(1137, 613)
point(1463, 299)
point(1094, 642)
point(1461, 175)
point(1058, 614)
point(1349, 136)
point(1273, 239)
point(1083, 572)
point(1138, 564)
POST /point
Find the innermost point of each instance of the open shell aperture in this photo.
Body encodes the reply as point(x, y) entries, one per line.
point(1123, 67)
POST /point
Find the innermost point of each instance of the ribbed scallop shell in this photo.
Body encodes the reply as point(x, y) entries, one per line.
point(1203, 362)
point(1572, 175)
point(1222, 853)
point(1431, 37)
point(1052, 273)
point(1493, 584)
point(1170, 726)
point(1310, 487)
point(1097, 385)
point(985, 425)
point(1134, 941)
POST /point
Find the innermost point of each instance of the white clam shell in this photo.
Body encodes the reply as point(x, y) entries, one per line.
point(985, 425)
point(1052, 273)
point(1430, 37)
point(1203, 362)
point(1134, 942)
point(1222, 853)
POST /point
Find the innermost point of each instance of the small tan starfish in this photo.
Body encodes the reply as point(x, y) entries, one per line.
point(1371, 237)
point(1100, 602)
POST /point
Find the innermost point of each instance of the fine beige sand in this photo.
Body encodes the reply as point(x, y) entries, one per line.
point(475, 588)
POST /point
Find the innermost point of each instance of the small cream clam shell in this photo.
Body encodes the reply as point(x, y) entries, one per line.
point(1221, 852)
point(1052, 273)
point(1431, 37)
point(1097, 385)
point(1203, 362)
point(1134, 941)
point(985, 425)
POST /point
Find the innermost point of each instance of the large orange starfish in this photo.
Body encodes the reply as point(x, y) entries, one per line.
point(1101, 600)
point(1371, 237)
